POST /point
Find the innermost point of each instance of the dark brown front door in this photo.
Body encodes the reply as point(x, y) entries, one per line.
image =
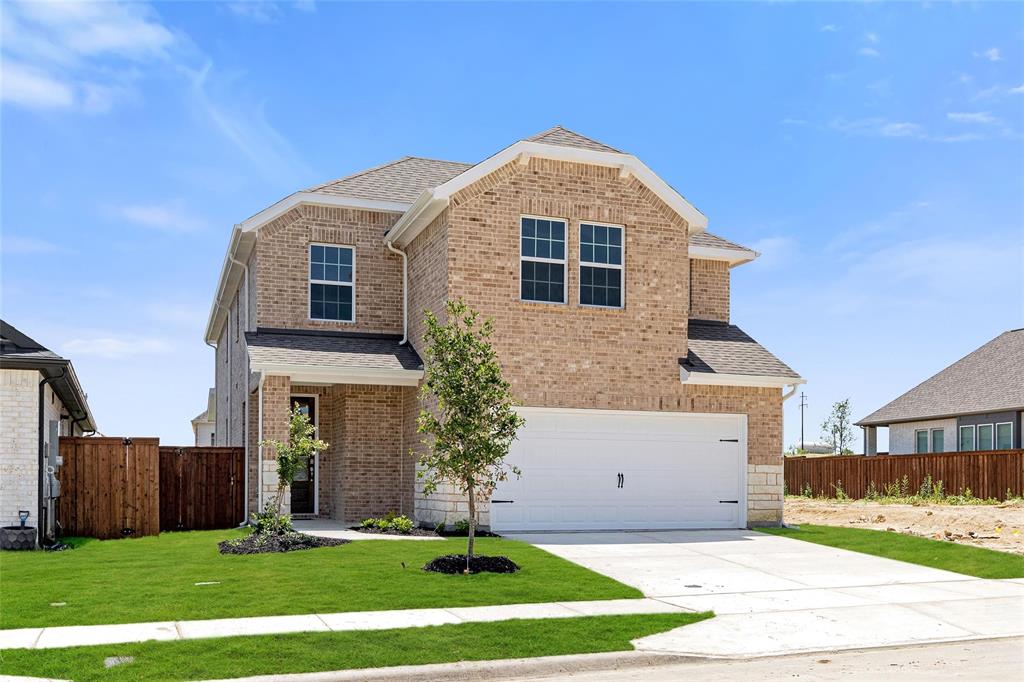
point(303, 488)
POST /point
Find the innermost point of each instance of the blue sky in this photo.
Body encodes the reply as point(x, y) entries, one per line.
point(873, 152)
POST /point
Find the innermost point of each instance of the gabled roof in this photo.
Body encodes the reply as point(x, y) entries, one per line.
point(567, 138)
point(991, 379)
point(19, 351)
point(401, 180)
point(712, 247)
point(720, 348)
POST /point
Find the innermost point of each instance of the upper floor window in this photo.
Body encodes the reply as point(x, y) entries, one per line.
point(542, 259)
point(331, 278)
point(601, 265)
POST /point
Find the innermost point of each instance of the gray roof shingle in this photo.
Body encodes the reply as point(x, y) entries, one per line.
point(991, 379)
point(401, 180)
point(331, 350)
point(563, 137)
point(714, 241)
point(722, 348)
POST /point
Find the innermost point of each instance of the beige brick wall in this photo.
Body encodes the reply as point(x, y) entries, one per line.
point(709, 290)
point(282, 258)
point(19, 444)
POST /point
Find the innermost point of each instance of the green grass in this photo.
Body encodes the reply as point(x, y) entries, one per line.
point(949, 556)
point(153, 579)
point(311, 652)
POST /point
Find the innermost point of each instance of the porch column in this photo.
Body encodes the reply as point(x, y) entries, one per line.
point(870, 440)
point(276, 392)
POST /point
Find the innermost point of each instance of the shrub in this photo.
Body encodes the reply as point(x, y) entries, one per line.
point(389, 522)
point(461, 526)
point(269, 522)
point(840, 493)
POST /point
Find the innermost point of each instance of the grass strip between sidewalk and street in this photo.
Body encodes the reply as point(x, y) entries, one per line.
point(323, 651)
point(182, 576)
point(948, 556)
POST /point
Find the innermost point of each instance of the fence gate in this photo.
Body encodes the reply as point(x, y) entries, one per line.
point(110, 487)
point(201, 488)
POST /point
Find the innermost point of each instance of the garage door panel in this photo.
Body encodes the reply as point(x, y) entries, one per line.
point(675, 466)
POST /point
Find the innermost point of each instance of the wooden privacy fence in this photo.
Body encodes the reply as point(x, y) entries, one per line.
point(118, 487)
point(991, 473)
point(110, 487)
point(201, 488)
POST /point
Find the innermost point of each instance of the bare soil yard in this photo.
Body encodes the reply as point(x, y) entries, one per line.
point(999, 527)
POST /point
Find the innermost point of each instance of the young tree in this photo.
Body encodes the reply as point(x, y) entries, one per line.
point(474, 421)
point(294, 454)
point(836, 429)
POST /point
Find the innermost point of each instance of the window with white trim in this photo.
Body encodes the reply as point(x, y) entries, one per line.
point(1004, 435)
point(542, 259)
point(921, 441)
point(331, 283)
point(966, 440)
point(938, 440)
point(986, 432)
point(601, 265)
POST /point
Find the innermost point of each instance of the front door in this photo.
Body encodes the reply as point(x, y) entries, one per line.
point(304, 486)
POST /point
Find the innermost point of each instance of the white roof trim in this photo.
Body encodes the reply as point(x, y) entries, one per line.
point(731, 256)
point(433, 201)
point(716, 379)
point(315, 198)
point(311, 374)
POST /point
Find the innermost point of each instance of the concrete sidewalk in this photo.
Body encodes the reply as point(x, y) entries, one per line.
point(86, 635)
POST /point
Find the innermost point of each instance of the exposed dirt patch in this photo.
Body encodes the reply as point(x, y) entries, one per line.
point(255, 543)
point(419, 532)
point(999, 527)
point(456, 563)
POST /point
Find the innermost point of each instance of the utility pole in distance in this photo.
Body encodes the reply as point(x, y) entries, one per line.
point(803, 404)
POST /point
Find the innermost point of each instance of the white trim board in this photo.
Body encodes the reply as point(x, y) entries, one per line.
point(716, 379)
point(311, 374)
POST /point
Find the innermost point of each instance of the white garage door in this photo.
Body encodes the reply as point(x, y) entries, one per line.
point(609, 470)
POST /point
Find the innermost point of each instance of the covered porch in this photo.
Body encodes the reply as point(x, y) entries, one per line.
point(360, 391)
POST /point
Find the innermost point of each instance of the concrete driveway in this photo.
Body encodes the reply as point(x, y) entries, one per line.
point(776, 595)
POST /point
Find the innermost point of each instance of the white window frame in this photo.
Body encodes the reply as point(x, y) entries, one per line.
point(927, 441)
point(931, 439)
point(564, 261)
point(995, 434)
point(974, 437)
point(977, 436)
point(621, 267)
point(310, 282)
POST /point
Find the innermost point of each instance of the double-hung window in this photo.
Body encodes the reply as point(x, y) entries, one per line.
point(985, 435)
point(1004, 436)
point(331, 283)
point(921, 441)
point(601, 265)
point(542, 259)
point(966, 440)
point(938, 440)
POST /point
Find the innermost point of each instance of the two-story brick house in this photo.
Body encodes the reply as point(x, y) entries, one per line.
point(645, 407)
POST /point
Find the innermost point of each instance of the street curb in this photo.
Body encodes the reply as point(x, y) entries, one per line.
point(492, 670)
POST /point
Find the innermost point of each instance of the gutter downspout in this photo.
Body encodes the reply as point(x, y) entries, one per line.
point(405, 291)
point(792, 390)
point(40, 525)
point(259, 464)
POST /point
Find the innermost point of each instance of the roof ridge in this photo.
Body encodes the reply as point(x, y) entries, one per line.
point(360, 173)
point(560, 128)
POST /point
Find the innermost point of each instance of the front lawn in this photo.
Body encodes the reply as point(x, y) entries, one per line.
point(154, 579)
point(310, 652)
point(948, 556)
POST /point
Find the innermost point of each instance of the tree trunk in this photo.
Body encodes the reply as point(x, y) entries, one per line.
point(472, 525)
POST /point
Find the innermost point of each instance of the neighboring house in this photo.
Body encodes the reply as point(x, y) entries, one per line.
point(645, 407)
point(974, 404)
point(40, 401)
point(204, 423)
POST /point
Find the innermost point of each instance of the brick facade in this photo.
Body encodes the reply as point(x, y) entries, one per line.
point(709, 290)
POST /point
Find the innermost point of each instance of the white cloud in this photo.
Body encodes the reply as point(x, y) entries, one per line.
point(871, 38)
point(1019, 90)
point(869, 52)
point(829, 28)
point(255, 10)
point(876, 127)
point(992, 54)
point(115, 348)
point(793, 122)
point(981, 117)
point(777, 252)
point(14, 244)
point(32, 88)
point(163, 217)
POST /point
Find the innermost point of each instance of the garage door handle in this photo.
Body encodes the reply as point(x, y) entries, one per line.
point(502, 501)
point(728, 440)
point(728, 502)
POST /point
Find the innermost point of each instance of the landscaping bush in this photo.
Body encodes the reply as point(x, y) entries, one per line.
point(273, 532)
point(391, 524)
point(269, 522)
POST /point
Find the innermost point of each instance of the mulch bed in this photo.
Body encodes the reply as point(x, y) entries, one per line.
point(452, 533)
point(419, 532)
point(456, 563)
point(264, 544)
